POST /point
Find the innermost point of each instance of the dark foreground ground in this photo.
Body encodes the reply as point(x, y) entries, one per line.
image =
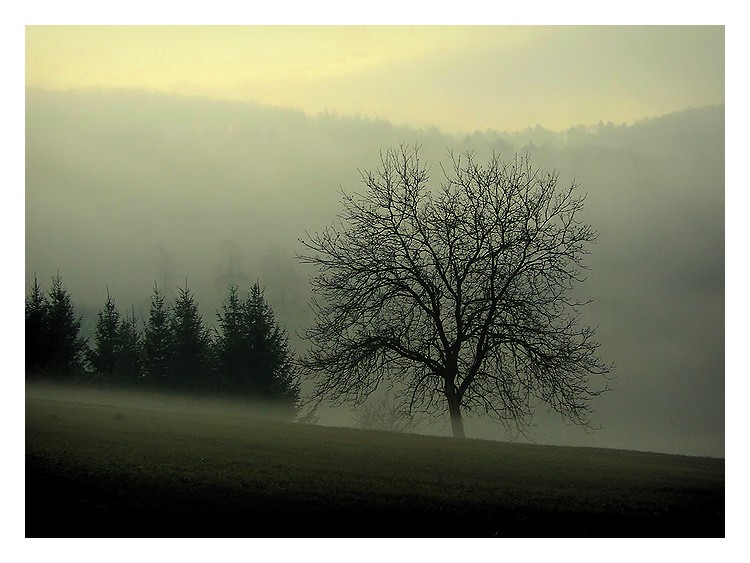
point(96, 470)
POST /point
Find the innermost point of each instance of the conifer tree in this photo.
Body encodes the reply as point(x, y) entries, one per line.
point(191, 344)
point(129, 359)
point(37, 331)
point(253, 351)
point(67, 350)
point(157, 342)
point(103, 357)
point(232, 352)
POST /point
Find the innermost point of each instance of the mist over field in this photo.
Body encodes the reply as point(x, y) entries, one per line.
point(158, 401)
point(127, 188)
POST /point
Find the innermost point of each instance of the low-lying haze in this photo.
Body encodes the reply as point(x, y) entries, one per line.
point(125, 188)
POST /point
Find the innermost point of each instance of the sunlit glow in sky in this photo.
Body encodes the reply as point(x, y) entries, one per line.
point(459, 79)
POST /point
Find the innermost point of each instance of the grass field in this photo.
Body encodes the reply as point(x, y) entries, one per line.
point(95, 469)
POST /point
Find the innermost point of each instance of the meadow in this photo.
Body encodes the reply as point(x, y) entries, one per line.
point(95, 469)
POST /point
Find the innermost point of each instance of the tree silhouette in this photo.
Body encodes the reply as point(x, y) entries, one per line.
point(37, 331)
point(129, 359)
point(66, 349)
point(460, 295)
point(191, 345)
point(116, 356)
point(157, 342)
point(103, 357)
point(273, 359)
point(232, 348)
point(253, 351)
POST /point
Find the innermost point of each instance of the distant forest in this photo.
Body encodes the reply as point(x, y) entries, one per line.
point(246, 355)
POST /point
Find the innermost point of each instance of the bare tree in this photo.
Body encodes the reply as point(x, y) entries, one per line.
point(460, 295)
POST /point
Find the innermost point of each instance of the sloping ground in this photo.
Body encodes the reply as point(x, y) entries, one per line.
point(100, 470)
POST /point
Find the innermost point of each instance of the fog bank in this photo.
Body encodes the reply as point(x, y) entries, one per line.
point(124, 189)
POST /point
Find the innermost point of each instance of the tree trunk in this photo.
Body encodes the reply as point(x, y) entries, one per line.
point(457, 423)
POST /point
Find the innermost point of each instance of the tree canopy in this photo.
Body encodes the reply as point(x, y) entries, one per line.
point(461, 295)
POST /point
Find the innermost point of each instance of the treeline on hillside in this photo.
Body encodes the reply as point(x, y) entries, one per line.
point(247, 355)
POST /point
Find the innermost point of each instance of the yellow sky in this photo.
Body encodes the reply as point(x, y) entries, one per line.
point(455, 78)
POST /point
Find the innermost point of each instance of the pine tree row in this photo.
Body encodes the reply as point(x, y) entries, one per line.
point(248, 354)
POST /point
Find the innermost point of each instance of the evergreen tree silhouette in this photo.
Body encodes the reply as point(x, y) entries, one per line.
point(129, 358)
point(37, 331)
point(67, 350)
point(253, 351)
point(191, 345)
point(232, 352)
point(103, 357)
point(116, 356)
point(158, 342)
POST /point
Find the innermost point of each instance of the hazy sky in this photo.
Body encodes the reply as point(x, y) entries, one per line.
point(456, 78)
point(166, 153)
